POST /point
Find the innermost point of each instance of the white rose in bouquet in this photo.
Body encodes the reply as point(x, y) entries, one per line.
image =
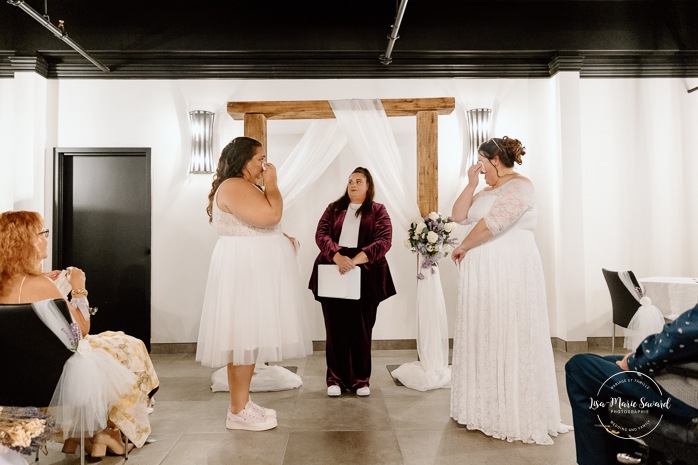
point(433, 216)
point(432, 237)
point(420, 227)
point(450, 227)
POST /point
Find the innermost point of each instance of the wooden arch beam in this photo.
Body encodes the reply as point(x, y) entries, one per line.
point(427, 110)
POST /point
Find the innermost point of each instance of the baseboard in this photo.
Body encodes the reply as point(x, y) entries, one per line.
point(574, 347)
point(605, 343)
point(173, 348)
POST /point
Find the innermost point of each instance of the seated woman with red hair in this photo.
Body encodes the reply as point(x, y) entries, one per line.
point(23, 242)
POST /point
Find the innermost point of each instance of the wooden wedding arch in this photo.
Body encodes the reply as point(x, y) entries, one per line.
point(427, 110)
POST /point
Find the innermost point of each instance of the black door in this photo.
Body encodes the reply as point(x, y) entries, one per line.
point(101, 223)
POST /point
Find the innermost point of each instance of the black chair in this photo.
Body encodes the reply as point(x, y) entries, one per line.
point(671, 442)
point(32, 357)
point(623, 302)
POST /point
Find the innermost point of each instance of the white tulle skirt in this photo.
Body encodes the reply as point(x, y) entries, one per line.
point(92, 382)
point(254, 305)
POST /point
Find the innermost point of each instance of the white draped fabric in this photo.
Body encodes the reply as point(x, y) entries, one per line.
point(432, 370)
point(364, 125)
point(318, 147)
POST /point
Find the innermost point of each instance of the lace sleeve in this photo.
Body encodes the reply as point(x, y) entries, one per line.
point(513, 200)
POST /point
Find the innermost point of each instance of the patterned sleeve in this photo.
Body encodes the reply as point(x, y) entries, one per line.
point(513, 200)
point(676, 343)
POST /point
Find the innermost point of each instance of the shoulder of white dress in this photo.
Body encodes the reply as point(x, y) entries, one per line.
point(520, 182)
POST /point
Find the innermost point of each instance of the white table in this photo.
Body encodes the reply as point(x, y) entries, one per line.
point(672, 295)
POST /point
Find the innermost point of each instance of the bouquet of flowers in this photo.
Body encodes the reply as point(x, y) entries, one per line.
point(24, 429)
point(431, 237)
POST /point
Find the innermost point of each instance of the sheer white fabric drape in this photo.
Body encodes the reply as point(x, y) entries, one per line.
point(317, 149)
point(368, 131)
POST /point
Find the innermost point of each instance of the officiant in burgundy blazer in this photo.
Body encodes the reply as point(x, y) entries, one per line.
point(353, 231)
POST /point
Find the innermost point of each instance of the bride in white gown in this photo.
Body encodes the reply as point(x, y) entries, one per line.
point(503, 376)
point(253, 306)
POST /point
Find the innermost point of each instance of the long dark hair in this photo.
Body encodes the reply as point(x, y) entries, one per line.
point(234, 157)
point(342, 203)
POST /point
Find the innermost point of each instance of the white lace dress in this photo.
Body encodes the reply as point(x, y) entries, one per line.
point(253, 308)
point(503, 375)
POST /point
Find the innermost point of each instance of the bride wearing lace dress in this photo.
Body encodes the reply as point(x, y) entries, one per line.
point(503, 376)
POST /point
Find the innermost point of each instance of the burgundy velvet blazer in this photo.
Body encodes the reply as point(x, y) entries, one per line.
point(375, 239)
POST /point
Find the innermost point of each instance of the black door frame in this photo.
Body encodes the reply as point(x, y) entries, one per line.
point(59, 156)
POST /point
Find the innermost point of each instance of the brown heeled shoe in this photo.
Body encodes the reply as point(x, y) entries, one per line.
point(71, 445)
point(109, 439)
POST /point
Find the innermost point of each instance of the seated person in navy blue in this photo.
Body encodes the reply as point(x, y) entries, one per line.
point(587, 387)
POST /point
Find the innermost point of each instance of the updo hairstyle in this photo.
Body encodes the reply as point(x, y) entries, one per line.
point(507, 149)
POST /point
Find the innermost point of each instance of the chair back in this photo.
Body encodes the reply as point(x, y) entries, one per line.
point(32, 356)
point(622, 301)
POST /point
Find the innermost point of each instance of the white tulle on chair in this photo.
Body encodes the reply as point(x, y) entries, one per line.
point(432, 370)
point(648, 319)
point(91, 383)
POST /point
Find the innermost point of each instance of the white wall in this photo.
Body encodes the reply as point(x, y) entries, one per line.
point(634, 133)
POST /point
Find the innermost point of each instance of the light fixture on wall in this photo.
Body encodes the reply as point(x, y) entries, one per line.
point(201, 124)
point(479, 122)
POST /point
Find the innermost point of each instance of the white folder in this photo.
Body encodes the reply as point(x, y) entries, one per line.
point(339, 286)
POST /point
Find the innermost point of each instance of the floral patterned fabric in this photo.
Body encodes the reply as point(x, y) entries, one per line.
point(130, 415)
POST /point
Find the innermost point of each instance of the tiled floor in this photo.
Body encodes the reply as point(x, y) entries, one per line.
point(395, 425)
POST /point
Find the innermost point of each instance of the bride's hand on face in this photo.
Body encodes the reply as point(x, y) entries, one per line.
point(474, 174)
point(269, 174)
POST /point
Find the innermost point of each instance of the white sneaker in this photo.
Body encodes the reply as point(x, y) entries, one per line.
point(249, 419)
point(270, 412)
point(363, 391)
point(334, 391)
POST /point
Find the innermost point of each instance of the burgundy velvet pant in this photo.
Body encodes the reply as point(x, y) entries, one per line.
point(348, 327)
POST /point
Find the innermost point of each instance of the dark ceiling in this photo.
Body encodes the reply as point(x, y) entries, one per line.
point(308, 39)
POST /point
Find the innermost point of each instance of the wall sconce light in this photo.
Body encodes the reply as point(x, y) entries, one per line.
point(201, 124)
point(479, 122)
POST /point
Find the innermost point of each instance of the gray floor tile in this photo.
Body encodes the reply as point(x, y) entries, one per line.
point(343, 448)
point(395, 425)
point(419, 447)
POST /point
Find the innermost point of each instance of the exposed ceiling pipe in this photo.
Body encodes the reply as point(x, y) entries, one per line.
point(57, 31)
point(386, 59)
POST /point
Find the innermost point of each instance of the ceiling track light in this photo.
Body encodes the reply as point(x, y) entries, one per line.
point(58, 31)
point(385, 58)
